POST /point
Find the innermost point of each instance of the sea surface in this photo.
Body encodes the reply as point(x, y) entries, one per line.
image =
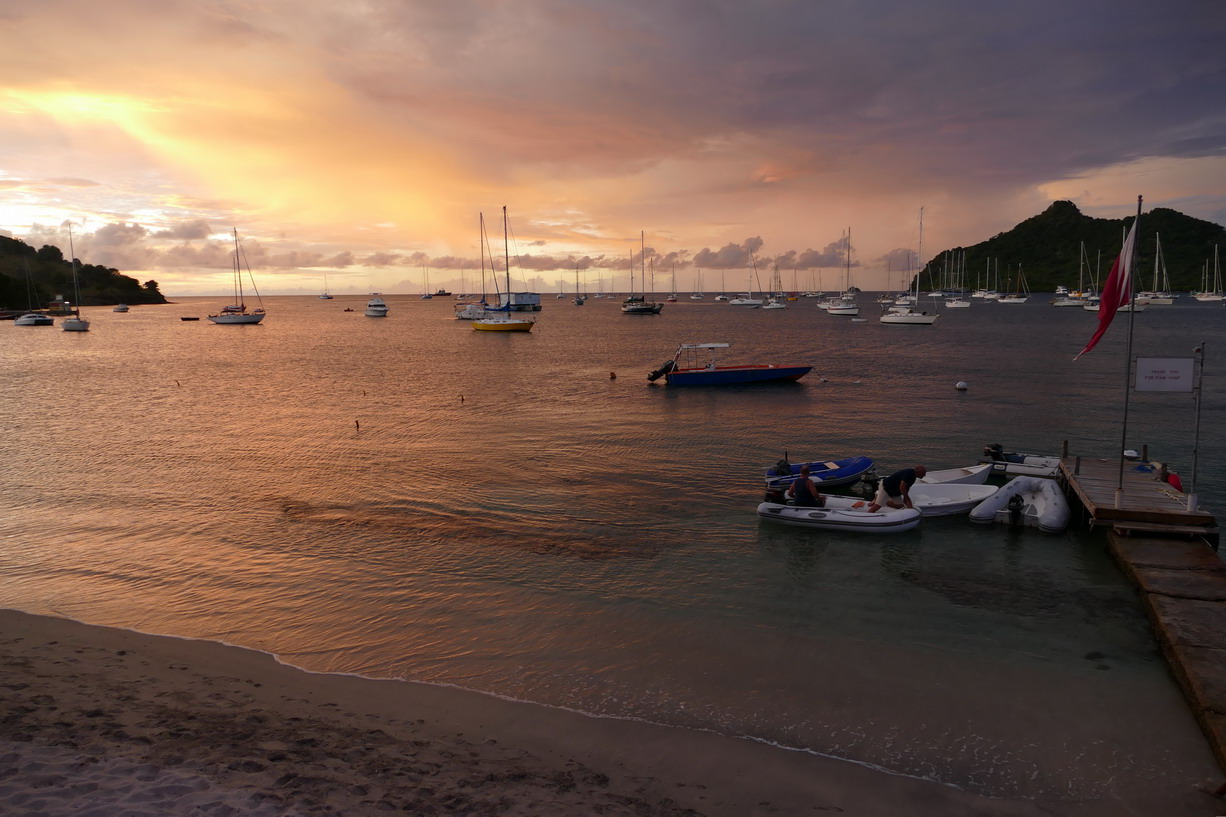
point(525, 515)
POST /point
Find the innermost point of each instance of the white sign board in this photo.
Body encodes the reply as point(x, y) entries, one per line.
point(1165, 374)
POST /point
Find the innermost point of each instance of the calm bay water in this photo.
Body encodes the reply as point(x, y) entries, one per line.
point(409, 498)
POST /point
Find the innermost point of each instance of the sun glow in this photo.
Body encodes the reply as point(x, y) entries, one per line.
point(295, 157)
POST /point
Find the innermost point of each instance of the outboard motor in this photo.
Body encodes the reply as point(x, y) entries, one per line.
point(1015, 506)
point(777, 495)
point(668, 366)
point(996, 451)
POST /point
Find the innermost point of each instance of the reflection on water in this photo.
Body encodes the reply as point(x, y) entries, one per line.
point(526, 515)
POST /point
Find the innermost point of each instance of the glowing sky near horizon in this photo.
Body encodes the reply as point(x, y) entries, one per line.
point(361, 140)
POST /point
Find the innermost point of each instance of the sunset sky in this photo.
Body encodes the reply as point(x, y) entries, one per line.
point(362, 139)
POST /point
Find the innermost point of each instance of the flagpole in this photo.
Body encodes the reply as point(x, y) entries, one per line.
point(1132, 305)
point(1199, 351)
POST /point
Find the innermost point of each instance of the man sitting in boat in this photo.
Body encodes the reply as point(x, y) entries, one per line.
point(803, 493)
point(895, 490)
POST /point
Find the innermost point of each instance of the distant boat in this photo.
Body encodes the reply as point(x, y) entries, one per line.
point(844, 305)
point(1161, 293)
point(710, 373)
point(75, 323)
point(324, 296)
point(470, 312)
point(188, 318)
point(32, 318)
point(638, 304)
point(908, 315)
point(237, 312)
point(1211, 291)
point(501, 321)
point(375, 307)
point(120, 308)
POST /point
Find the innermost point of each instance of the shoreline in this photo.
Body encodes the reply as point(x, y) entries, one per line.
point(98, 720)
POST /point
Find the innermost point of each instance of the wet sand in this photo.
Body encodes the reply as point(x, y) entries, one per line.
point(100, 722)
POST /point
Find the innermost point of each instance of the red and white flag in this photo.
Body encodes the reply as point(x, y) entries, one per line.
point(1117, 292)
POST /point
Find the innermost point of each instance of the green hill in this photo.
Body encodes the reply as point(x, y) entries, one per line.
point(50, 274)
point(1047, 247)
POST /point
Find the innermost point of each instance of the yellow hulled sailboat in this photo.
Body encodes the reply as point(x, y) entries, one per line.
point(501, 321)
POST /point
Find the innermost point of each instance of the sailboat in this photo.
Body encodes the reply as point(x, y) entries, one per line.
point(237, 312)
point(425, 293)
point(1077, 298)
point(747, 298)
point(958, 299)
point(75, 323)
point(1212, 292)
point(324, 296)
point(638, 304)
point(1161, 293)
point(909, 315)
point(32, 318)
point(501, 321)
point(845, 305)
point(776, 292)
point(580, 299)
point(697, 296)
point(1021, 294)
point(723, 286)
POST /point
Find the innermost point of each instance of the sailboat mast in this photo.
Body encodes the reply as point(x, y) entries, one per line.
point(847, 276)
point(76, 287)
point(238, 272)
point(506, 251)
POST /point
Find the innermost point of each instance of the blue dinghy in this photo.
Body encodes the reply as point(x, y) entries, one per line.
point(685, 369)
point(823, 473)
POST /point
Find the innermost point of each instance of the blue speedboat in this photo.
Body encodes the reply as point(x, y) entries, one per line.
point(823, 473)
point(685, 369)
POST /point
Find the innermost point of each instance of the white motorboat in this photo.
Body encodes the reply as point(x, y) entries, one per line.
point(1027, 501)
point(471, 312)
point(1017, 464)
point(842, 513)
point(120, 308)
point(375, 307)
point(34, 319)
point(970, 475)
point(949, 498)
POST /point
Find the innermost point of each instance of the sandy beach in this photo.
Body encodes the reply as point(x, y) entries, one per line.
point(101, 722)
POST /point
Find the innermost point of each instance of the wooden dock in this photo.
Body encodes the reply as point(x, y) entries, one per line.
point(1144, 503)
point(1165, 549)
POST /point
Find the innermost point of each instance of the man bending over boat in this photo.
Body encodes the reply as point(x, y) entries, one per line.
point(802, 491)
point(895, 490)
